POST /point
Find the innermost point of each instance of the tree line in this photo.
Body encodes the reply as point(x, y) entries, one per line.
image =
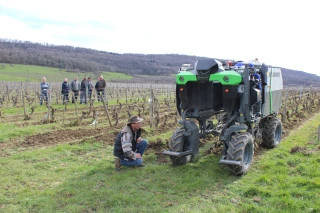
point(88, 60)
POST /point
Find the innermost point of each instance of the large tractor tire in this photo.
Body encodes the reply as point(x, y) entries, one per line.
point(240, 148)
point(272, 133)
point(177, 143)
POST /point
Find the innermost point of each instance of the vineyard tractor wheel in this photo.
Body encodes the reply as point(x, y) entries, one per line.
point(241, 148)
point(272, 133)
point(177, 143)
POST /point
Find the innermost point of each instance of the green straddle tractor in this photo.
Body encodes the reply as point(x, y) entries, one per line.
point(246, 103)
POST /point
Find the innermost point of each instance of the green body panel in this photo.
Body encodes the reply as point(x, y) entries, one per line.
point(225, 78)
point(185, 77)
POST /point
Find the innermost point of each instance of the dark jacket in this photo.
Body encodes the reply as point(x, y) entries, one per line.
point(84, 84)
point(65, 88)
point(118, 151)
point(101, 84)
point(96, 85)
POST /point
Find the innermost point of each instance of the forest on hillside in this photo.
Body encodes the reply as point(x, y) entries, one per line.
point(80, 59)
point(84, 59)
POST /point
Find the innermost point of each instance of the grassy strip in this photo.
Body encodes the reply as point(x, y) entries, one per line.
point(81, 178)
point(286, 179)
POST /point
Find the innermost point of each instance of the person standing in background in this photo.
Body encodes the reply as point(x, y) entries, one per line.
point(65, 88)
point(44, 90)
point(75, 87)
point(96, 87)
point(100, 86)
point(90, 87)
point(83, 91)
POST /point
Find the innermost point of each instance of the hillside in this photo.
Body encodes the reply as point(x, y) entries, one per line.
point(77, 59)
point(294, 77)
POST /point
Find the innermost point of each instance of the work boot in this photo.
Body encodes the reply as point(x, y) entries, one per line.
point(117, 163)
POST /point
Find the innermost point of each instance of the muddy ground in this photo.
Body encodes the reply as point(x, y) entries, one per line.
point(105, 134)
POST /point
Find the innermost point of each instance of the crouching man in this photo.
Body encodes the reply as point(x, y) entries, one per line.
point(129, 147)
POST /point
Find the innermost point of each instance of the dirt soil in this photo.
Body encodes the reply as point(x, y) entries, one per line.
point(63, 136)
point(107, 135)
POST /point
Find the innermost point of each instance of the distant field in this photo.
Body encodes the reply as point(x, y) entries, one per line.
point(116, 76)
point(30, 73)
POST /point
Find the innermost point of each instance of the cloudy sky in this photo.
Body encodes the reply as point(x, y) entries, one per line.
point(280, 33)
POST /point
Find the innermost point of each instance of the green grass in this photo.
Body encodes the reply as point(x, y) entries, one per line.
point(115, 76)
point(31, 73)
point(81, 178)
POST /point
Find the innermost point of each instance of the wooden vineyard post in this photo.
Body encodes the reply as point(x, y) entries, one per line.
point(300, 93)
point(48, 104)
point(35, 94)
point(8, 96)
point(22, 99)
point(151, 107)
point(75, 102)
point(106, 110)
point(64, 111)
point(126, 95)
point(285, 106)
point(24, 106)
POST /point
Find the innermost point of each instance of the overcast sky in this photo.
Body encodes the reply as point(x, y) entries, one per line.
point(280, 33)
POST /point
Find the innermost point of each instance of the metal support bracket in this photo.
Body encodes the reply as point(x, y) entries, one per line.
point(230, 162)
point(176, 154)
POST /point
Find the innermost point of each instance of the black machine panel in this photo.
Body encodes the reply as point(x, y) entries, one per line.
point(255, 95)
point(203, 96)
point(229, 96)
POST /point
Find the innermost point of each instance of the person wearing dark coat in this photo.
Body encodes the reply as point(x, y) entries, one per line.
point(83, 90)
point(100, 88)
point(65, 88)
point(96, 86)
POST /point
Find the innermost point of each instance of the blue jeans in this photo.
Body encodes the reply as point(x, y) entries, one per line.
point(89, 94)
point(44, 94)
point(141, 147)
point(65, 97)
point(83, 97)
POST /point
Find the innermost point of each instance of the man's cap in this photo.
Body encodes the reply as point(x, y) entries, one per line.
point(134, 120)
